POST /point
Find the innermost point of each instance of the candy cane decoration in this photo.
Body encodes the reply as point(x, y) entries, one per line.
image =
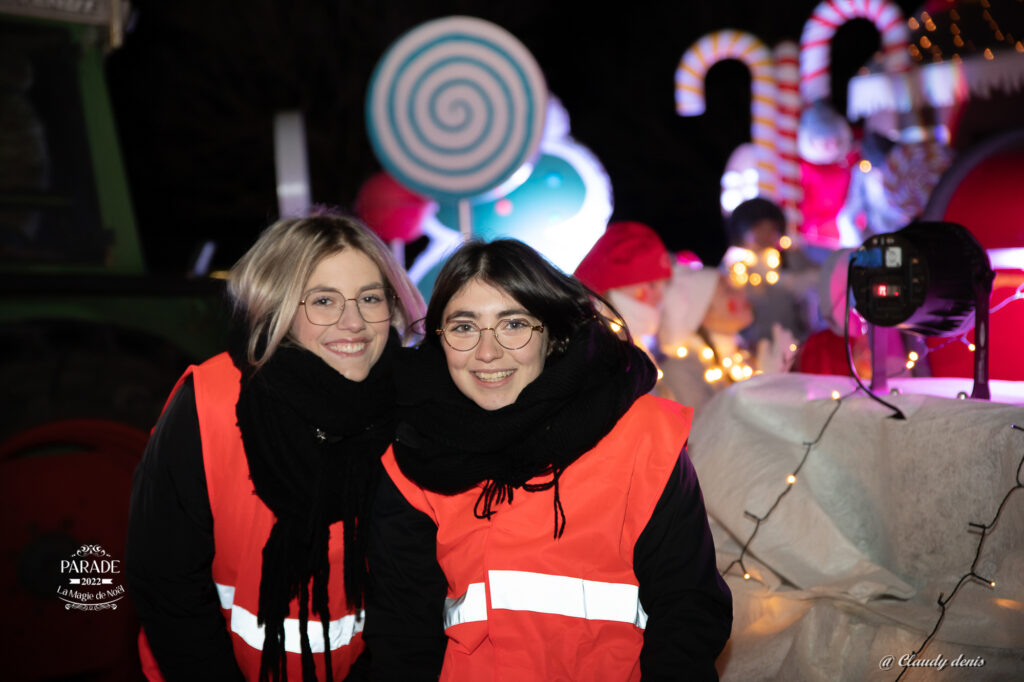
point(816, 39)
point(732, 44)
point(787, 79)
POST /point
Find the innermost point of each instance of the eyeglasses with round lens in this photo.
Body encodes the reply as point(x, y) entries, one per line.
point(511, 334)
point(325, 307)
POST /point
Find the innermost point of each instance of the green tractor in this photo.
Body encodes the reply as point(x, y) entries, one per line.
point(90, 343)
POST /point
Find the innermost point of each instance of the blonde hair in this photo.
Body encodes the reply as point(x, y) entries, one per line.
point(267, 283)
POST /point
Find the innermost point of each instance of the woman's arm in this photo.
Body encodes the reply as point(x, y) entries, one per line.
point(170, 552)
point(405, 599)
point(689, 606)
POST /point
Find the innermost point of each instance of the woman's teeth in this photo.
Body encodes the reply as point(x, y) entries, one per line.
point(347, 347)
point(493, 376)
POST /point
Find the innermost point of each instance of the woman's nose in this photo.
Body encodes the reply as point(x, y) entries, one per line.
point(350, 317)
point(488, 349)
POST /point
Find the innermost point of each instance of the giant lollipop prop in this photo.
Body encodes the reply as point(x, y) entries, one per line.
point(732, 44)
point(455, 107)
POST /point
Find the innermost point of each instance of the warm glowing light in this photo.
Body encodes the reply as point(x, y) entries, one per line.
point(988, 54)
point(755, 279)
point(925, 42)
point(864, 165)
point(912, 355)
point(958, 41)
point(970, 347)
point(791, 479)
point(910, 364)
point(772, 258)
point(1019, 46)
point(835, 395)
point(992, 583)
point(727, 362)
point(912, 23)
point(792, 347)
point(707, 353)
point(660, 374)
point(999, 35)
point(954, 15)
point(785, 242)
point(736, 373)
point(616, 327)
point(747, 371)
point(926, 16)
point(741, 278)
point(771, 277)
point(739, 268)
point(954, 29)
point(929, 25)
point(712, 375)
point(746, 576)
point(682, 352)
point(749, 258)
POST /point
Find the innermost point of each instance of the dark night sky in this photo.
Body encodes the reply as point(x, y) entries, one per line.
point(196, 86)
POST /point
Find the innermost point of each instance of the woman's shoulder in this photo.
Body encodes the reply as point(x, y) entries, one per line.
point(651, 406)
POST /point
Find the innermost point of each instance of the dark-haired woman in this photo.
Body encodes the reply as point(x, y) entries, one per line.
point(540, 519)
point(245, 558)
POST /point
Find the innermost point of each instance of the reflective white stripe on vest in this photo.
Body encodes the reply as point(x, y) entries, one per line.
point(468, 608)
point(542, 593)
point(243, 624)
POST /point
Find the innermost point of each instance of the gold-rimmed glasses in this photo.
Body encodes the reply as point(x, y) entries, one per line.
point(511, 334)
point(325, 307)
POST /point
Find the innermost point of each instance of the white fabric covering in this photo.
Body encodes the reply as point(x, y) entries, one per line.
point(854, 557)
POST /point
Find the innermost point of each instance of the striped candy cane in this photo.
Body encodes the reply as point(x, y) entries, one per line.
point(815, 41)
point(787, 79)
point(732, 44)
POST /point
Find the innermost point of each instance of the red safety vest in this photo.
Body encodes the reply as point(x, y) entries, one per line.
point(241, 526)
point(524, 606)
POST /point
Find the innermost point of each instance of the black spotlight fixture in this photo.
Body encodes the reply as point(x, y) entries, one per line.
point(931, 279)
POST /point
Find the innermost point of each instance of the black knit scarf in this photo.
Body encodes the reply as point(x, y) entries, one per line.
point(313, 440)
point(446, 443)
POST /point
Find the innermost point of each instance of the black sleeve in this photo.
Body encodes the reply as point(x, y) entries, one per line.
point(689, 606)
point(405, 599)
point(170, 551)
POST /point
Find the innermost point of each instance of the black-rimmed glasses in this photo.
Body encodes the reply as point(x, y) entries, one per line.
point(325, 307)
point(511, 334)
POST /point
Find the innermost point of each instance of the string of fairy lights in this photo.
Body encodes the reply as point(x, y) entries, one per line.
point(789, 482)
point(965, 31)
point(943, 601)
point(972, 574)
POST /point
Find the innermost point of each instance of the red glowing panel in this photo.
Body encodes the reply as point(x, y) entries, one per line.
point(886, 290)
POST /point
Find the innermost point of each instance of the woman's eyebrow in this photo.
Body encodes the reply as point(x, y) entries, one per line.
point(461, 313)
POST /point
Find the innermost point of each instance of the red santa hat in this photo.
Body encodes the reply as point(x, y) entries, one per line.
point(627, 253)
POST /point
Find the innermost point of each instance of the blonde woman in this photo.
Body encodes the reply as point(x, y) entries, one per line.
point(244, 558)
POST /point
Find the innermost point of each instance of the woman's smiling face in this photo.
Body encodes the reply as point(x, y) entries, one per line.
point(352, 346)
point(490, 375)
